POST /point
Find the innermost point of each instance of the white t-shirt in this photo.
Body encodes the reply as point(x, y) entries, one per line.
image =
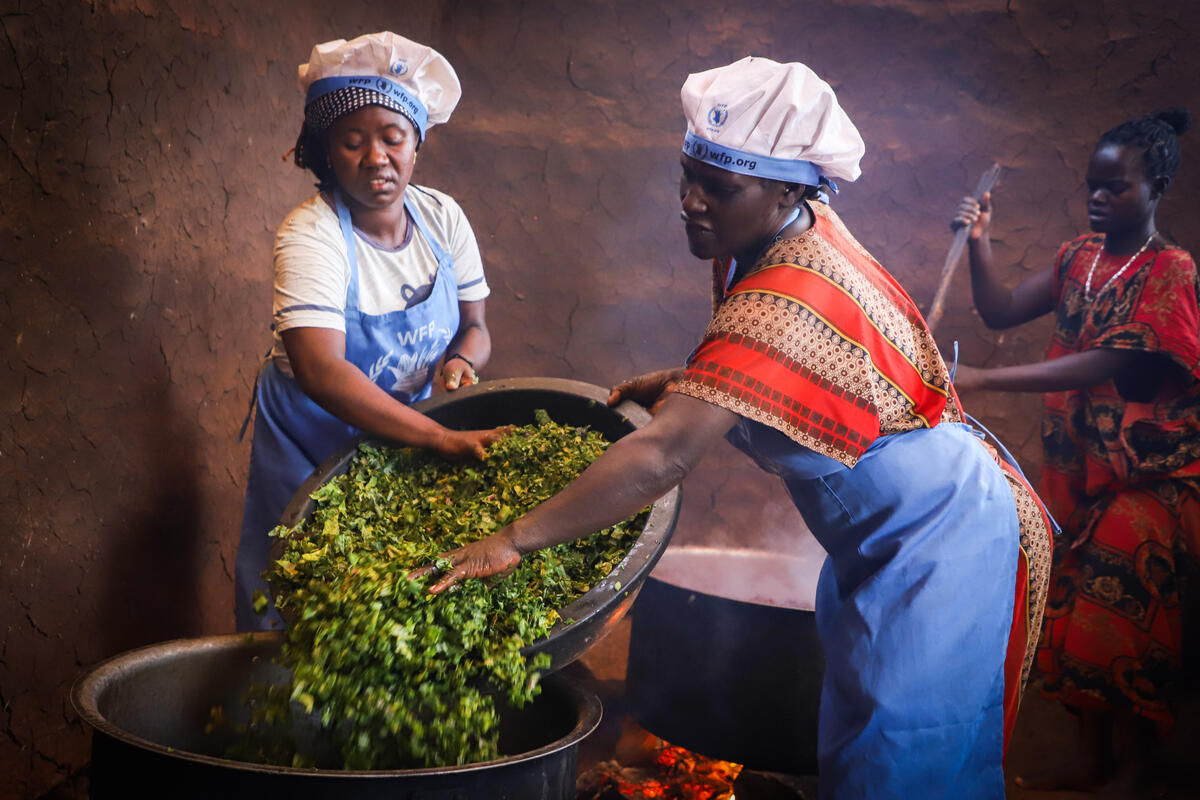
point(312, 271)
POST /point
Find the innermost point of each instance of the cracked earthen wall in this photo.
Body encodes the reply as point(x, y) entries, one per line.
point(142, 177)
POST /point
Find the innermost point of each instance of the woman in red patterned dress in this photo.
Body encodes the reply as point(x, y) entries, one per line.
point(1122, 448)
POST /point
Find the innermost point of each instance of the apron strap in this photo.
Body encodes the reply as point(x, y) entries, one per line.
point(987, 436)
point(442, 257)
point(347, 226)
point(254, 395)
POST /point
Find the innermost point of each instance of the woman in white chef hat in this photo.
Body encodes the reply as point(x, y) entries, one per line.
point(377, 281)
point(819, 365)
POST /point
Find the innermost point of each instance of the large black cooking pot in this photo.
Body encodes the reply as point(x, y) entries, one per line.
point(149, 708)
point(724, 657)
point(513, 402)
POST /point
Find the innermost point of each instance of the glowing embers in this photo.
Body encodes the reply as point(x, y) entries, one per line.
point(647, 767)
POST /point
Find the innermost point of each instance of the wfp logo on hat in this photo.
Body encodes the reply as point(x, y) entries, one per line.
point(718, 114)
point(399, 67)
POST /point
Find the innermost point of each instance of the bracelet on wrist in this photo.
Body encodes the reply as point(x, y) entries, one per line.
point(461, 357)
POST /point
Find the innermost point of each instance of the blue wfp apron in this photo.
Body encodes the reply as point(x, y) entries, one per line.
point(398, 351)
point(914, 606)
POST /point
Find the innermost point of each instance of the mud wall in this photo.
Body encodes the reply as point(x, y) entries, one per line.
point(142, 177)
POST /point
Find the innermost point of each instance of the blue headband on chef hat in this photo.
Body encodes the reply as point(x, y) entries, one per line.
point(746, 163)
point(770, 120)
point(328, 99)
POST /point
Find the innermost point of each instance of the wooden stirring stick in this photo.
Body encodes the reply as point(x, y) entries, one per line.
point(938, 306)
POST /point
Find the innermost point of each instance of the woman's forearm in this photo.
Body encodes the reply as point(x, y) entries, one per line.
point(992, 298)
point(999, 306)
point(346, 392)
point(630, 475)
point(474, 343)
point(1075, 371)
point(472, 340)
point(634, 472)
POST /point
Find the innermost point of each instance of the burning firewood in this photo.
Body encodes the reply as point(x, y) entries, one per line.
point(658, 770)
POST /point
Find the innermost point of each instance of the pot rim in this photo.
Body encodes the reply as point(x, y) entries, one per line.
point(89, 686)
point(690, 583)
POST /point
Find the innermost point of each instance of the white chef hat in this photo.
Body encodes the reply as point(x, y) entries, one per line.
point(378, 69)
point(759, 117)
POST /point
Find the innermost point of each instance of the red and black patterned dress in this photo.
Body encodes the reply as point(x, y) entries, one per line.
point(1122, 469)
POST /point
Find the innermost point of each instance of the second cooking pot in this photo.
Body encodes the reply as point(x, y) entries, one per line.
point(724, 658)
point(149, 710)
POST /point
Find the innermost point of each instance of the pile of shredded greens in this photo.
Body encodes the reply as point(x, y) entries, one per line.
point(396, 677)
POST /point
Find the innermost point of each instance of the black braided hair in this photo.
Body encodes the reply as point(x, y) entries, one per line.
point(311, 154)
point(1156, 136)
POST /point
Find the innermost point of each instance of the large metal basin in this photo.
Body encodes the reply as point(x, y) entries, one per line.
point(149, 707)
point(513, 402)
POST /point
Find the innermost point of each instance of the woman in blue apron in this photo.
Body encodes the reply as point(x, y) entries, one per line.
point(818, 365)
point(377, 280)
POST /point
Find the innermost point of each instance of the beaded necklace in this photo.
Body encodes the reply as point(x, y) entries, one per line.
point(1087, 287)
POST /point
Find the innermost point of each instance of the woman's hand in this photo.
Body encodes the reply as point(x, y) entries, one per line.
point(468, 444)
point(649, 390)
point(456, 373)
point(493, 555)
point(976, 214)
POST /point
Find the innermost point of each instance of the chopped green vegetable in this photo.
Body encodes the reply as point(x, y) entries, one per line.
point(398, 677)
